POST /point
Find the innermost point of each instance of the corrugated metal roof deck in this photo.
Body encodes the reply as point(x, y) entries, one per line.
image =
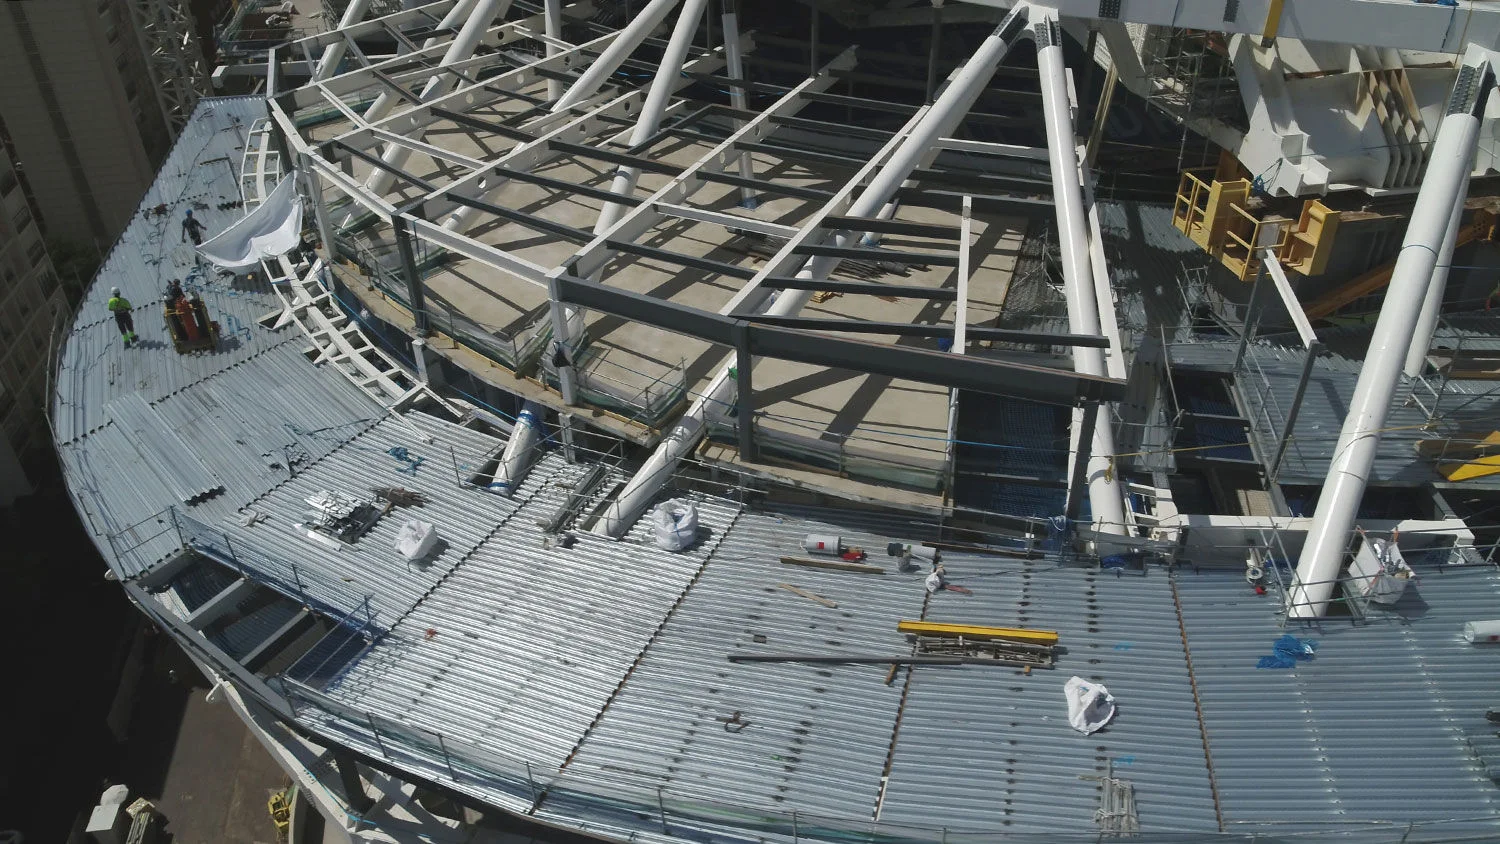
point(1374, 728)
point(991, 748)
point(94, 365)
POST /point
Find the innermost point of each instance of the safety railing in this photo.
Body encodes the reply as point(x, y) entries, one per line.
point(853, 455)
point(349, 638)
point(283, 576)
point(617, 387)
point(622, 804)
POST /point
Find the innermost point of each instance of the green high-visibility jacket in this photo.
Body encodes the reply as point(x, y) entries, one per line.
point(118, 303)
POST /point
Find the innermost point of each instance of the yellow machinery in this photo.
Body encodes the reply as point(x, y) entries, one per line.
point(1227, 221)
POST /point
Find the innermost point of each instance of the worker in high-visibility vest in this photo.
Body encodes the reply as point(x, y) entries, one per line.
point(120, 307)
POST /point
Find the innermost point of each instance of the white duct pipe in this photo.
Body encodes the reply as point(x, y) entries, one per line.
point(1442, 186)
point(552, 25)
point(1432, 306)
point(1105, 499)
point(463, 46)
point(353, 14)
point(521, 451)
point(939, 121)
point(620, 49)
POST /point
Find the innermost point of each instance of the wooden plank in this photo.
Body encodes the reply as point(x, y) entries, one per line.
point(836, 565)
point(808, 595)
point(972, 631)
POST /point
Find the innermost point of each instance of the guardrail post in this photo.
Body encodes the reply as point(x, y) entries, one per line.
point(297, 578)
point(414, 293)
point(794, 826)
point(531, 785)
point(661, 806)
point(447, 760)
point(370, 719)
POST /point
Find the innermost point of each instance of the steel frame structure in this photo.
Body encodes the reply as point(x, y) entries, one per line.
point(564, 106)
point(168, 41)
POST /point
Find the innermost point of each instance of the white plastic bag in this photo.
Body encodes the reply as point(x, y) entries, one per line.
point(676, 523)
point(415, 540)
point(1090, 705)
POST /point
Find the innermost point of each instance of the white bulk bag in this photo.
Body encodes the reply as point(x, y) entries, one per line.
point(1090, 705)
point(415, 540)
point(676, 523)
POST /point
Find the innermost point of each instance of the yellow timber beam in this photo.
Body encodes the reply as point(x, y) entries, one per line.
point(974, 631)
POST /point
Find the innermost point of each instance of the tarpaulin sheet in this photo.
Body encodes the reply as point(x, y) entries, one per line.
point(272, 229)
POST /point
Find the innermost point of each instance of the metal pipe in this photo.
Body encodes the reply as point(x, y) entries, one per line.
point(620, 49)
point(520, 451)
point(353, 14)
point(552, 25)
point(1442, 185)
point(1105, 499)
point(1432, 306)
point(737, 99)
point(937, 122)
point(463, 46)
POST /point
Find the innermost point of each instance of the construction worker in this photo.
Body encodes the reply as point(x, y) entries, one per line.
point(191, 227)
point(120, 307)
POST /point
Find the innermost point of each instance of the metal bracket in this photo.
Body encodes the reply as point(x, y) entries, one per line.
point(1109, 9)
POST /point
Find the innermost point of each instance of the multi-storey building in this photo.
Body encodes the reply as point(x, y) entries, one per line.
point(31, 303)
point(89, 95)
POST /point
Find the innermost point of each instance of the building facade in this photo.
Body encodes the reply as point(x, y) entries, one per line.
point(32, 301)
point(81, 105)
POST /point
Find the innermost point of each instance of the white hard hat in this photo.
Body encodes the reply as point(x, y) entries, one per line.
point(114, 291)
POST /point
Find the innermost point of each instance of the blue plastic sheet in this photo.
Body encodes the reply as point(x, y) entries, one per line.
point(1288, 651)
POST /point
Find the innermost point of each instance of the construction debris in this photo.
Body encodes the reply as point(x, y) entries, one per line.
point(808, 595)
point(833, 564)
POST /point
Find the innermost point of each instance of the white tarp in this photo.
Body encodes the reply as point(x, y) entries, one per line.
point(272, 229)
point(1090, 705)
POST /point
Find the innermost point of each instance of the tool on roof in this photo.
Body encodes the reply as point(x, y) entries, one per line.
point(338, 518)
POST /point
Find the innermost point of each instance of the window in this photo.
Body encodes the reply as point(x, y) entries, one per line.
point(22, 218)
point(37, 252)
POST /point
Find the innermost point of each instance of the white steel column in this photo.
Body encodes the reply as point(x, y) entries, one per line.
point(567, 321)
point(618, 51)
point(383, 103)
point(353, 14)
point(665, 81)
point(939, 121)
point(552, 25)
point(1442, 186)
point(1105, 499)
point(1432, 306)
point(737, 95)
point(463, 46)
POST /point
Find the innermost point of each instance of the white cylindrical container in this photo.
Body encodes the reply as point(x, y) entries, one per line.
point(815, 543)
point(1482, 632)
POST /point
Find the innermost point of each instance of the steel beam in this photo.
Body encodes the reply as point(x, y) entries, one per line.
point(894, 163)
